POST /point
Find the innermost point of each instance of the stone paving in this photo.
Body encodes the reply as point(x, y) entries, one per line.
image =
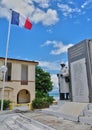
point(56, 122)
point(17, 121)
point(9, 119)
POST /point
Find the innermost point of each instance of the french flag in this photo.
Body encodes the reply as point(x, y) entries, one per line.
point(20, 20)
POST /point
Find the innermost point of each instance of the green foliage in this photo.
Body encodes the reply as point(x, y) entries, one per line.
point(44, 96)
point(5, 104)
point(39, 103)
point(41, 94)
point(50, 99)
point(43, 86)
point(43, 80)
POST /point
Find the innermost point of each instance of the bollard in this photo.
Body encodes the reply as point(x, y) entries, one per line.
point(30, 106)
point(10, 106)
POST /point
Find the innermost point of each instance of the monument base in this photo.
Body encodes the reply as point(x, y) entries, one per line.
point(69, 110)
point(72, 110)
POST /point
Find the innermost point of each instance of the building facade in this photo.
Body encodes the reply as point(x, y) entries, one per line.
point(19, 80)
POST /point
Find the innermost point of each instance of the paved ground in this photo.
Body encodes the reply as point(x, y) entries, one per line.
point(49, 120)
point(55, 122)
point(2, 118)
point(17, 121)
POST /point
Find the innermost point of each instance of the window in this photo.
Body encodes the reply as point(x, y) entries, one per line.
point(24, 74)
point(8, 73)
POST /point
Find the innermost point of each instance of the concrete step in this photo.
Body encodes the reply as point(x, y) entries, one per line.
point(86, 120)
point(18, 125)
point(61, 102)
point(27, 126)
point(35, 124)
point(3, 127)
point(90, 106)
point(12, 126)
point(20, 122)
point(21, 109)
point(54, 107)
point(88, 113)
point(69, 110)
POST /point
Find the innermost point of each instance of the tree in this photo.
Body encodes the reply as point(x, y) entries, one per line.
point(43, 81)
point(43, 86)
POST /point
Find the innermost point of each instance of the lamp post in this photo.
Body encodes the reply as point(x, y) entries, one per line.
point(4, 67)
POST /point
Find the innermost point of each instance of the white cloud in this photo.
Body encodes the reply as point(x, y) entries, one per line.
point(71, 2)
point(49, 65)
point(27, 8)
point(46, 65)
point(47, 18)
point(42, 3)
point(54, 79)
point(4, 12)
point(21, 6)
point(60, 47)
point(87, 2)
point(67, 10)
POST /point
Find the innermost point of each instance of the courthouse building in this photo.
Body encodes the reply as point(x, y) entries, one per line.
point(20, 80)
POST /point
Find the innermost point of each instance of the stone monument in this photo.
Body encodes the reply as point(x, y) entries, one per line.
point(80, 68)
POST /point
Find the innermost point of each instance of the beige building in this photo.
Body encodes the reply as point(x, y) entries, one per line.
point(20, 80)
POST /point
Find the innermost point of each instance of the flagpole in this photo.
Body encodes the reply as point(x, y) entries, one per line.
point(5, 64)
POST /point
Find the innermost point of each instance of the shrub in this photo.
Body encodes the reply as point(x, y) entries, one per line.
point(5, 104)
point(41, 94)
point(39, 103)
point(50, 99)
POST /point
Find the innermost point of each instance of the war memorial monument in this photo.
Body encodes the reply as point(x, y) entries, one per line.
point(79, 108)
point(80, 66)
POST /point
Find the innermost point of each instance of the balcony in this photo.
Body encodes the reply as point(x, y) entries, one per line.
point(24, 82)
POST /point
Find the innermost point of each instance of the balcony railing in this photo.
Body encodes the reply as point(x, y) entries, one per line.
point(24, 82)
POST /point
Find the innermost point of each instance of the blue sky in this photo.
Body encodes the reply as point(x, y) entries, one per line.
point(57, 25)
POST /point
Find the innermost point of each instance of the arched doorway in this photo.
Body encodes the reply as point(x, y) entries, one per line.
point(23, 96)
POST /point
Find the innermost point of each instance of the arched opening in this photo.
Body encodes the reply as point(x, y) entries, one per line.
point(23, 96)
